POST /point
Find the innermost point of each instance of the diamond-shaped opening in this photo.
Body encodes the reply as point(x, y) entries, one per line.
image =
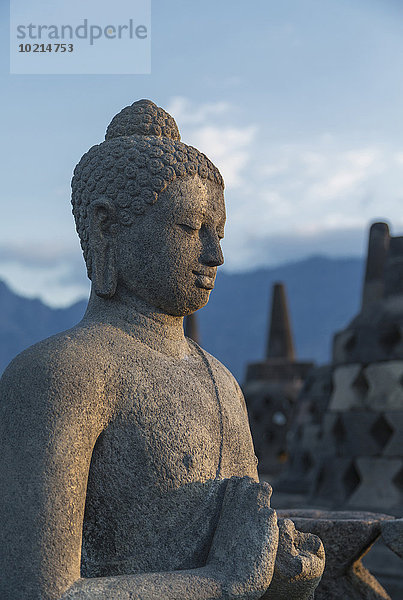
point(309, 381)
point(268, 401)
point(299, 433)
point(351, 342)
point(381, 431)
point(398, 480)
point(351, 479)
point(306, 462)
point(390, 337)
point(338, 430)
point(256, 415)
point(327, 388)
point(315, 412)
point(360, 384)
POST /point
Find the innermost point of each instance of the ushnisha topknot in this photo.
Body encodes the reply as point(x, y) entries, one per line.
point(143, 118)
point(141, 155)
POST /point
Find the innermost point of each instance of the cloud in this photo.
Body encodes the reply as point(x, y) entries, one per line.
point(323, 183)
point(308, 192)
point(228, 147)
point(286, 199)
point(210, 128)
point(262, 250)
point(54, 273)
point(187, 113)
point(46, 253)
point(342, 172)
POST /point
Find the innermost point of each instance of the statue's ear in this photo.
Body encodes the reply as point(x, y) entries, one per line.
point(102, 241)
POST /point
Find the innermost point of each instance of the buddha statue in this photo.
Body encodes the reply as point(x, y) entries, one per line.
point(126, 460)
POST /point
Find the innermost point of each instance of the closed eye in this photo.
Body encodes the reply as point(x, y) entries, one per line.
point(189, 228)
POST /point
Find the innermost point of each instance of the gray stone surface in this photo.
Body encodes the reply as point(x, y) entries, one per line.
point(376, 387)
point(347, 393)
point(392, 533)
point(126, 460)
point(306, 434)
point(394, 445)
point(387, 567)
point(377, 483)
point(346, 536)
point(385, 386)
point(352, 433)
point(294, 563)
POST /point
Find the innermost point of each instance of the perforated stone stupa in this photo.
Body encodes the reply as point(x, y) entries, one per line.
point(347, 438)
point(361, 462)
point(348, 430)
point(272, 386)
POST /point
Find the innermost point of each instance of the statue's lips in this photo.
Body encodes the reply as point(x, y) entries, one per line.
point(204, 281)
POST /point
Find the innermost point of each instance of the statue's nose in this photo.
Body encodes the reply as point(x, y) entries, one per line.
point(212, 255)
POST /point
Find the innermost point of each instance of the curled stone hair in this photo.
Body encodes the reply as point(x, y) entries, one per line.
point(142, 154)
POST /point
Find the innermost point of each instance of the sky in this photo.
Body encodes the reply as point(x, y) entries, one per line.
point(299, 103)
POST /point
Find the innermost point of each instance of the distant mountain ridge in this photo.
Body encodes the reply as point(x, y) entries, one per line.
point(323, 295)
point(25, 321)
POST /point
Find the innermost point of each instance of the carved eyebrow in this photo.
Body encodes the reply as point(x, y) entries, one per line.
point(190, 216)
point(185, 213)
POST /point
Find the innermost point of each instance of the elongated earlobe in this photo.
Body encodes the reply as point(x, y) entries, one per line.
point(103, 247)
point(104, 274)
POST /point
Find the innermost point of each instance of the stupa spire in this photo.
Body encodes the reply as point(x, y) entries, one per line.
point(280, 343)
point(378, 244)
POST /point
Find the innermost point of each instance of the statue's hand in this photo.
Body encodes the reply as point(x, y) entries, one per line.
point(299, 564)
point(244, 547)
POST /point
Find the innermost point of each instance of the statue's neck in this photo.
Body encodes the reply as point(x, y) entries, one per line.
point(149, 325)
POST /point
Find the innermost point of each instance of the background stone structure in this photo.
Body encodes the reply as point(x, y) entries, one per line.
point(347, 437)
point(271, 388)
point(361, 462)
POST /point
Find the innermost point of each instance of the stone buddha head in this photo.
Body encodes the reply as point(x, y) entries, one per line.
point(150, 213)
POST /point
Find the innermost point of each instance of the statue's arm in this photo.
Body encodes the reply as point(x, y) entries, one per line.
point(196, 584)
point(49, 422)
point(50, 419)
point(240, 564)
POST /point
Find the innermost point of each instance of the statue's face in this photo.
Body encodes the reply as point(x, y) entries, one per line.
point(169, 256)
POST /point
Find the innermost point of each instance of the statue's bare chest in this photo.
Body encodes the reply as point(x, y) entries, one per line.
point(180, 419)
point(179, 429)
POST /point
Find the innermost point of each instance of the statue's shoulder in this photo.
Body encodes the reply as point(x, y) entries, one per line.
point(219, 370)
point(74, 358)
